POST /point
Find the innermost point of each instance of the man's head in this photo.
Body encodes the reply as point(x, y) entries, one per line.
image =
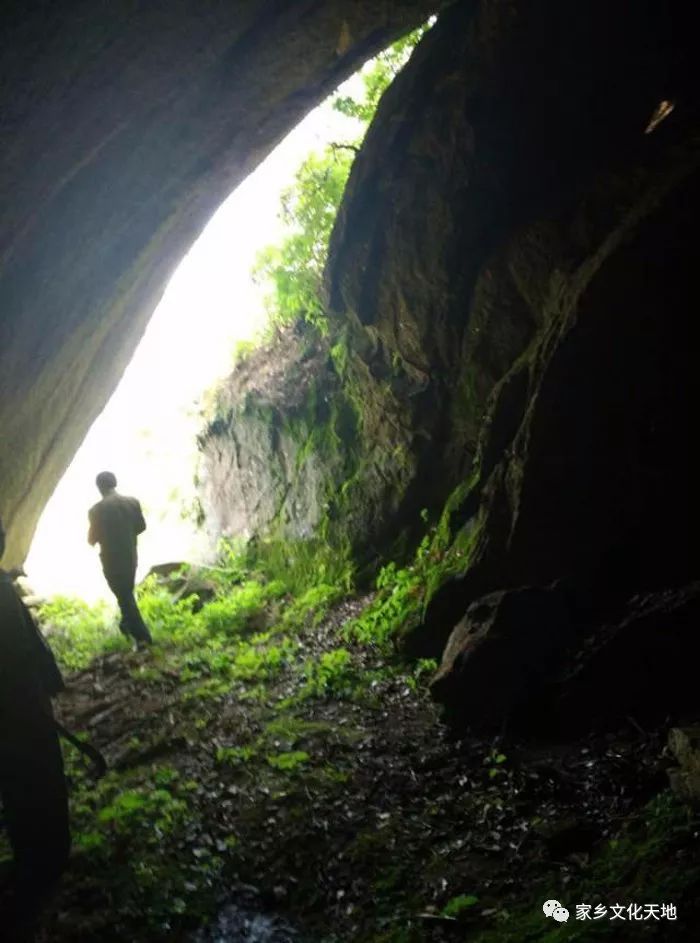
point(106, 482)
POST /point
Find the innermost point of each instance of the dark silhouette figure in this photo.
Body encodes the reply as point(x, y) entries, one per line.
point(32, 783)
point(115, 523)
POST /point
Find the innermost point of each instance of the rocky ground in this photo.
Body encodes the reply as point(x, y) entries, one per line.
point(320, 798)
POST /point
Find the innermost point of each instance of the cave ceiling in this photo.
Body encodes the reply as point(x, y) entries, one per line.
point(124, 126)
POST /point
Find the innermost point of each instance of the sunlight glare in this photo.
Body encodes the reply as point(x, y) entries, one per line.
point(146, 433)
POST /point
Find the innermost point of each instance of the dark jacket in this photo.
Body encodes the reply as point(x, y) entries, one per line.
point(115, 523)
point(27, 665)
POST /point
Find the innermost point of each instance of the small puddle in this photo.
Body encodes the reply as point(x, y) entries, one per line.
point(238, 925)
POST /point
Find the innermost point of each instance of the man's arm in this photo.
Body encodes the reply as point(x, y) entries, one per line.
point(139, 520)
point(92, 536)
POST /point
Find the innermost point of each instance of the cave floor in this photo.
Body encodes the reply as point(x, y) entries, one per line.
point(335, 802)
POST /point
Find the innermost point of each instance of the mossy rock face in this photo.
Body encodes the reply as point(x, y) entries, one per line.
point(475, 225)
point(484, 300)
point(125, 131)
point(522, 283)
point(269, 449)
point(294, 450)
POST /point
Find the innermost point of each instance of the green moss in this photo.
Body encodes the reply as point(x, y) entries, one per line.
point(289, 761)
point(405, 591)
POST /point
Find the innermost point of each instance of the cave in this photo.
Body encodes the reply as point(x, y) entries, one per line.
point(494, 427)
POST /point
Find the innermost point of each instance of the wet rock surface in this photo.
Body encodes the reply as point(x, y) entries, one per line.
point(502, 653)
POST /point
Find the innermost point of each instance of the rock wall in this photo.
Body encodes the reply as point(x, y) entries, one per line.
point(124, 127)
point(513, 276)
point(479, 209)
point(584, 461)
point(294, 448)
point(273, 451)
point(470, 218)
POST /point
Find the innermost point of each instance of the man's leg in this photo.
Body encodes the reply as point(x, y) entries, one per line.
point(131, 623)
point(116, 582)
point(133, 619)
point(35, 800)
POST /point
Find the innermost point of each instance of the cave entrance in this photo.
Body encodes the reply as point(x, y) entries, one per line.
point(147, 432)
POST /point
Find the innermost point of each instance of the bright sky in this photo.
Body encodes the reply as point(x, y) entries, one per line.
point(146, 434)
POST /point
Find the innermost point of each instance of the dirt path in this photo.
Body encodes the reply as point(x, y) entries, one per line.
point(342, 807)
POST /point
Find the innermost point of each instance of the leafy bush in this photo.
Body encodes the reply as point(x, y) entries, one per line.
point(330, 675)
point(258, 663)
point(167, 619)
point(288, 762)
point(293, 269)
point(230, 614)
point(404, 592)
point(77, 630)
point(312, 606)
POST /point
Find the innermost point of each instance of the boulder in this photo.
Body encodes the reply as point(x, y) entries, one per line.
point(501, 655)
point(165, 570)
point(183, 580)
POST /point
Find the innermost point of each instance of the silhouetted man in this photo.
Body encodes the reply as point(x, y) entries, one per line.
point(32, 783)
point(115, 523)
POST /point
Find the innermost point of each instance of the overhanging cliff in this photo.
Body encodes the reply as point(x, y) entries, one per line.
point(123, 130)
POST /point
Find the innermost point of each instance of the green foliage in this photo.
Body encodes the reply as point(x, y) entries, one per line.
point(340, 356)
point(292, 271)
point(404, 592)
point(233, 566)
point(457, 905)
point(312, 606)
point(262, 662)
point(168, 620)
point(494, 761)
point(425, 666)
point(233, 756)
point(77, 630)
point(149, 809)
point(295, 567)
point(291, 729)
point(330, 675)
point(288, 762)
point(423, 669)
point(145, 813)
point(377, 76)
point(396, 608)
point(242, 350)
point(232, 613)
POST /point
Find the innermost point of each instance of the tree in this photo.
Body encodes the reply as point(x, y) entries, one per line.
point(292, 271)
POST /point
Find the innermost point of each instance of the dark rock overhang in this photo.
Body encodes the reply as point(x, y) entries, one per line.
point(124, 127)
